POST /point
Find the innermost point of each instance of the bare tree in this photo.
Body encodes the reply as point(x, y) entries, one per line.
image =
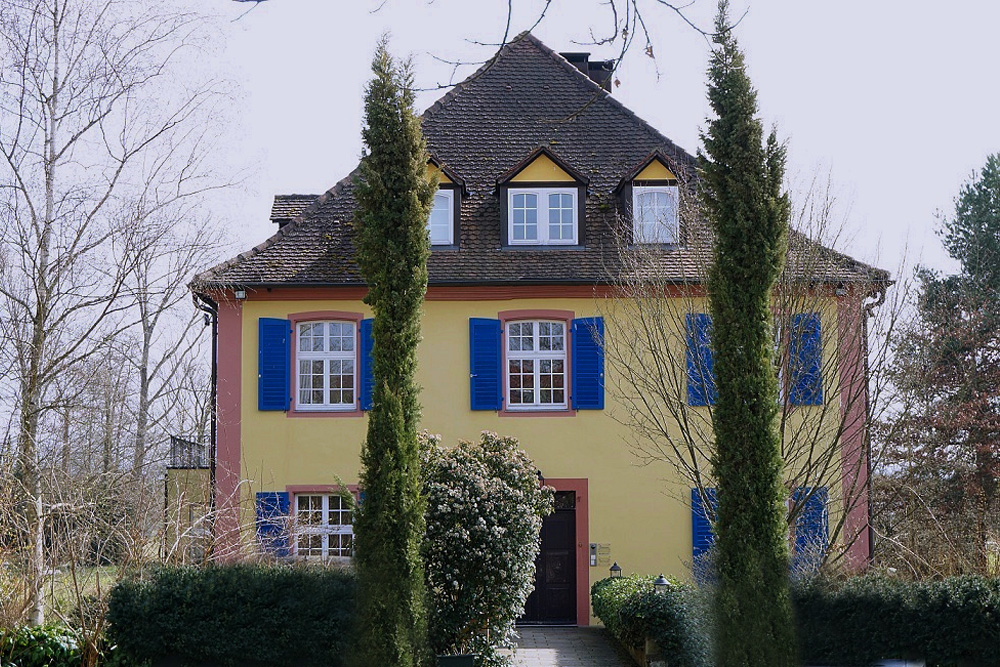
point(825, 443)
point(168, 336)
point(93, 119)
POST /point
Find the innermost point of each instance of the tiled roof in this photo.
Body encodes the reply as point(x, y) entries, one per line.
point(526, 98)
point(288, 207)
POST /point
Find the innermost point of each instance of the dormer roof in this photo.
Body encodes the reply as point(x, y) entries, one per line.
point(546, 167)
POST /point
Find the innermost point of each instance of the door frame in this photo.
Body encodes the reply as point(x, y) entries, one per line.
point(579, 485)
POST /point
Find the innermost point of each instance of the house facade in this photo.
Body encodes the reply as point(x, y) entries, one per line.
point(547, 183)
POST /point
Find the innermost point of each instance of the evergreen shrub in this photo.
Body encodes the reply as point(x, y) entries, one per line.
point(235, 615)
point(676, 621)
point(947, 622)
point(44, 646)
point(952, 622)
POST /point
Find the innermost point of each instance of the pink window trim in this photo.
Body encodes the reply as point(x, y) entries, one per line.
point(580, 486)
point(312, 489)
point(312, 316)
point(564, 316)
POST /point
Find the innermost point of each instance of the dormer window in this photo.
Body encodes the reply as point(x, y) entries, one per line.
point(543, 202)
point(542, 216)
point(441, 223)
point(651, 196)
point(654, 214)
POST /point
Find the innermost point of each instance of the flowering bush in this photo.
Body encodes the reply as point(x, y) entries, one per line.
point(484, 514)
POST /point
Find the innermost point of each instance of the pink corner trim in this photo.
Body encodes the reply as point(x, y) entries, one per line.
point(228, 438)
point(856, 485)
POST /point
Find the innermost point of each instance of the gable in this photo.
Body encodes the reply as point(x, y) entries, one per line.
point(542, 170)
point(655, 171)
point(433, 169)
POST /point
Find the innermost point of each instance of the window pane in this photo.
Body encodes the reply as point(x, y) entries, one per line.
point(561, 216)
point(655, 216)
point(524, 217)
point(520, 337)
point(440, 221)
point(311, 337)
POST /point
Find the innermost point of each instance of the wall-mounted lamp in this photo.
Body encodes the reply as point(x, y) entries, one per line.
point(616, 571)
point(661, 585)
point(240, 294)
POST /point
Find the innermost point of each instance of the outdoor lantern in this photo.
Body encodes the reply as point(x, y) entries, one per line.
point(660, 585)
point(616, 571)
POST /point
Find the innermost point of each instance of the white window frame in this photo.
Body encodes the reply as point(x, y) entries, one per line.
point(448, 194)
point(542, 195)
point(670, 232)
point(324, 529)
point(326, 356)
point(537, 356)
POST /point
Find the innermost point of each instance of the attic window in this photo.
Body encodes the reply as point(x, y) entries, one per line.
point(654, 214)
point(542, 199)
point(441, 222)
point(542, 216)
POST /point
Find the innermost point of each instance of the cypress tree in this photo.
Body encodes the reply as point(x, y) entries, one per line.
point(742, 178)
point(394, 199)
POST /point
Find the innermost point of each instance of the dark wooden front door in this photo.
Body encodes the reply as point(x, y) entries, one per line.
point(553, 601)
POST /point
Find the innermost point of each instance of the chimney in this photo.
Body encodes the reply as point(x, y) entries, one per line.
point(599, 71)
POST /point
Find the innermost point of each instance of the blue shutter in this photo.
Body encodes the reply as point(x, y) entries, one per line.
point(588, 363)
point(485, 374)
point(273, 364)
point(272, 523)
point(702, 537)
point(700, 362)
point(812, 532)
point(367, 383)
point(806, 360)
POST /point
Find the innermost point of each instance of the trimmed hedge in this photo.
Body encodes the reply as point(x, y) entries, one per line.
point(632, 610)
point(45, 646)
point(948, 623)
point(231, 615)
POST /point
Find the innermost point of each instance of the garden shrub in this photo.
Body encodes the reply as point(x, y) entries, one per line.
point(632, 610)
point(236, 615)
point(43, 646)
point(484, 515)
point(864, 619)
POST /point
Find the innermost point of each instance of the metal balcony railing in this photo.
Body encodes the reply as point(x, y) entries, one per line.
point(188, 454)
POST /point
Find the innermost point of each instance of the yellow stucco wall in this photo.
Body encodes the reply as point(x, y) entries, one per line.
point(655, 171)
point(639, 510)
point(188, 504)
point(442, 177)
point(542, 169)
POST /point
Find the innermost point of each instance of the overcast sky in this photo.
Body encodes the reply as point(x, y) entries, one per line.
point(896, 100)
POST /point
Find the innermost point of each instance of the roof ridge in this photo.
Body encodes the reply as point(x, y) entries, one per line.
point(691, 160)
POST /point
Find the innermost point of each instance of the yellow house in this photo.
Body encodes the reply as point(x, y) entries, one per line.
point(545, 180)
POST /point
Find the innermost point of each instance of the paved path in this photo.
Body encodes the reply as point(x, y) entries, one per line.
point(568, 647)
